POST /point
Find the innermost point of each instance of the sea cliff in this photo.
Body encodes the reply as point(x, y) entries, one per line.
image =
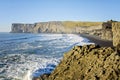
point(90, 62)
point(56, 27)
point(100, 29)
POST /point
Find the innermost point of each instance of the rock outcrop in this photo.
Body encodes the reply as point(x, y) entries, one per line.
point(89, 62)
point(116, 33)
point(107, 34)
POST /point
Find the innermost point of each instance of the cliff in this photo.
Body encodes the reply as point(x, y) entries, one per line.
point(88, 62)
point(49, 27)
point(101, 29)
point(22, 28)
point(56, 27)
point(116, 33)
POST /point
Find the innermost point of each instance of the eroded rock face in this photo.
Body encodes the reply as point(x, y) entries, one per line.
point(49, 27)
point(103, 30)
point(56, 27)
point(116, 33)
point(22, 28)
point(90, 62)
point(107, 34)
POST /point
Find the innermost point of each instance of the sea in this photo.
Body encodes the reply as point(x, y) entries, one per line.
point(25, 55)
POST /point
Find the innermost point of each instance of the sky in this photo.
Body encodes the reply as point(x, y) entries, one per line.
point(31, 11)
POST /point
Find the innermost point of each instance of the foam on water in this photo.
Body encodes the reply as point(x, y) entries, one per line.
point(36, 55)
point(26, 66)
point(28, 75)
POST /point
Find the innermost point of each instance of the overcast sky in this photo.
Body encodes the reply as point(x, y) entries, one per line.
point(31, 11)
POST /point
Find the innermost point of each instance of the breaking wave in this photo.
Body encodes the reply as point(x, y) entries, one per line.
point(33, 54)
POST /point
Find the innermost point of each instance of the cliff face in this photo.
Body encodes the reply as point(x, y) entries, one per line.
point(116, 33)
point(101, 29)
point(56, 27)
point(107, 33)
point(22, 28)
point(89, 62)
point(49, 27)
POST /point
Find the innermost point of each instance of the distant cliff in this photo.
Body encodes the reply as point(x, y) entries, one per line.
point(22, 28)
point(56, 27)
point(101, 29)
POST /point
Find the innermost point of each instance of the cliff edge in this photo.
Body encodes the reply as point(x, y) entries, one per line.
point(100, 29)
point(56, 27)
point(90, 62)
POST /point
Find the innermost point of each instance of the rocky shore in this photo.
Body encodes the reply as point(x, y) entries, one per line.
point(90, 62)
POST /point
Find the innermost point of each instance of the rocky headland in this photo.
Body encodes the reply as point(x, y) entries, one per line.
point(56, 27)
point(100, 29)
point(90, 62)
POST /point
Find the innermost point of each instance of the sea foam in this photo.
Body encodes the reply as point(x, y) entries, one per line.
point(36, 55)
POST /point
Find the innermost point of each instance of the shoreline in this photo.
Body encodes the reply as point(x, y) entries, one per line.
point(97, 40)
point(91, 38)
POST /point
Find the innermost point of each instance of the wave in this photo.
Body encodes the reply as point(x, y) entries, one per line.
point(47, 51)
point(14, 39)
point(26, 66)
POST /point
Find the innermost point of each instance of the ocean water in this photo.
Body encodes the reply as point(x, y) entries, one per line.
point(25, 55)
